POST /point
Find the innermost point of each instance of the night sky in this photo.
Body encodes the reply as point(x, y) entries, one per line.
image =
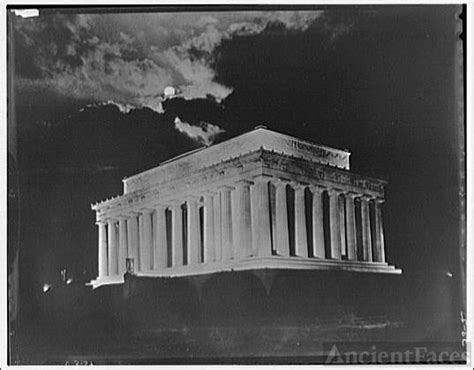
point(89, 110)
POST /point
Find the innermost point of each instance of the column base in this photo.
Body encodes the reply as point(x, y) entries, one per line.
point(259, 263)
point(106, 280)
point(275, 262)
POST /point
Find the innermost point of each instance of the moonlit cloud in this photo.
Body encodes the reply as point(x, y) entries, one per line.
point(204, 134)
point(128, 59)
point(123, 108)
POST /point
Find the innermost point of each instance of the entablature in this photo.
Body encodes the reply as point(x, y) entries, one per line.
point(271, 163)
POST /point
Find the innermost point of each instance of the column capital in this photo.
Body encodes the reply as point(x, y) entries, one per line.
point(225, 188)
point(379, 200)
point(353, 194)
point(175, 203)
point(281, 181)
point(262, 177)
point(159, 206)
point(101, 222)
point(146, 210)
point(317, 188)
point(298, 186)
point(243, 182)
point(334, 191)
point(192, 198)
point(366, 197)
point(210, 193)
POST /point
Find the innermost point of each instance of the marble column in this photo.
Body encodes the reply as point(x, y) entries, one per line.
point(366, 237)
point(209, 231)
point(226, 222)
point(132, 234)
point(112, 248)
point(160, 254)
point(243, 226)
point(102, 263)
point(318, 222)
point(234, 210)
point(141, 241)
point(217, 227)
point(122, 250)
point(301, 238)
point(379, 237)
point(144, 259)
point(177, 234)
point(334, 224)
point(260, 203)
point(351, 226)
point(342, 223)
point(193, 234)
point(282, 239)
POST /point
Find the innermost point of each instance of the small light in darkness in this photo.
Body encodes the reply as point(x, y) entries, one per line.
point(26, 13)
point(46, 287)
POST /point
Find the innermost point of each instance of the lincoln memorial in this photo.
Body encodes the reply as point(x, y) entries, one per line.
point(262, 200)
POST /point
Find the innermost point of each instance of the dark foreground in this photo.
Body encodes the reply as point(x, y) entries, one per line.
point(238, 317)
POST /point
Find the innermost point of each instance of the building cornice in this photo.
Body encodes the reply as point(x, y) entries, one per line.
point(257, 162)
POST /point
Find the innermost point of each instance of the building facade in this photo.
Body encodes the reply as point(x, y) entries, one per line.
point(262, 200)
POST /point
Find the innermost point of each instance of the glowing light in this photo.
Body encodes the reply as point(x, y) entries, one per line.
point(69, 281)
point(449, 274)
point(46, 287)
point(169, 91)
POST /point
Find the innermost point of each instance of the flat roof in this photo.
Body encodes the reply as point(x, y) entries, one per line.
point(260, 137)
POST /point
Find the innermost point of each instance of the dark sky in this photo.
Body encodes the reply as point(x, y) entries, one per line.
point(89, 110)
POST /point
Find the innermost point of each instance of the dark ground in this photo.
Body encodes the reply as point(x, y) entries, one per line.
point(229, 318)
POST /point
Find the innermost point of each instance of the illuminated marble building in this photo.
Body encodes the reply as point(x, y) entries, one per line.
point(262, 200)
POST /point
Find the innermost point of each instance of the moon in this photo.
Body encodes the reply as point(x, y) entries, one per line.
point(169, 91)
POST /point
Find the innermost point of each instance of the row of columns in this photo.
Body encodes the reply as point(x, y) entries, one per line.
point(238, 222)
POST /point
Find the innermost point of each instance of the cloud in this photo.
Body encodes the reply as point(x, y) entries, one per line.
point(128, 59)
point(123, 108)
point(204, 134)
